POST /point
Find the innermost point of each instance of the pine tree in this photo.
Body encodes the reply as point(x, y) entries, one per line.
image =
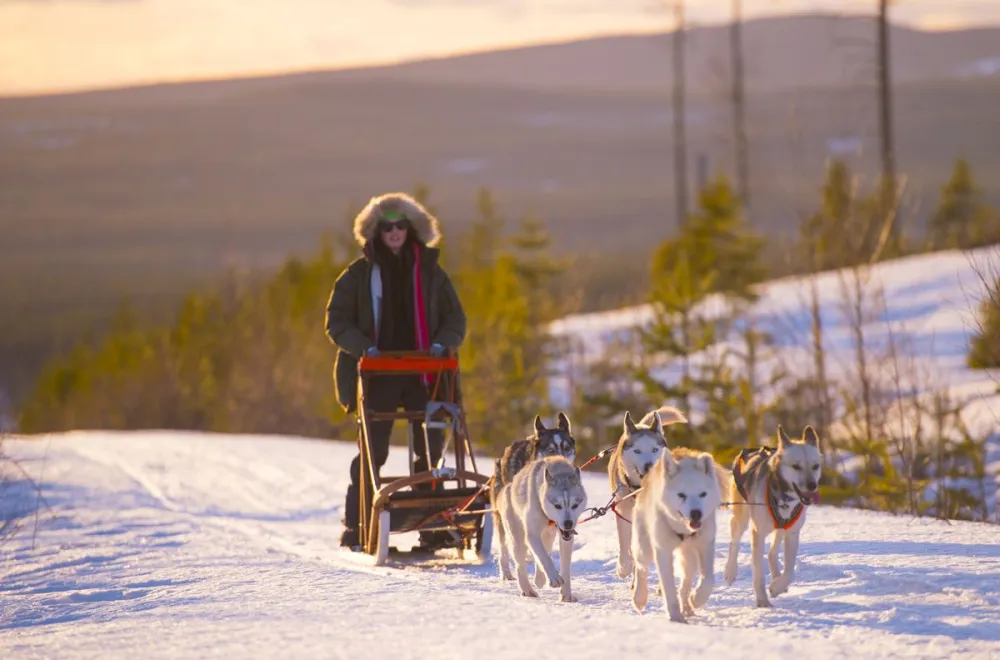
point(503, 284)
point(962, 220)
point(984, 347)
point(679, 332)
point(715, 253)
point(822, 235)
point(717, 240)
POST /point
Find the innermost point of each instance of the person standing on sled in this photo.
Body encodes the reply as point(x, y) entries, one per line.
point(395, 297)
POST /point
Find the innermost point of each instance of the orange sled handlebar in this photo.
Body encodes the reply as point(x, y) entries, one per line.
point(407, 363)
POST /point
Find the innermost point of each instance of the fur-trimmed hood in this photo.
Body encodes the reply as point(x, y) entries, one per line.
point(426, 227)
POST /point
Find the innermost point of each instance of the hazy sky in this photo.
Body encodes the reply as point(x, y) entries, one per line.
point(51, 45)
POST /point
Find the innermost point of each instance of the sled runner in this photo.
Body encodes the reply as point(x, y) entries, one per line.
point(443, 498)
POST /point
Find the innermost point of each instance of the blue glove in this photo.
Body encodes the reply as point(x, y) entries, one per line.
point(372, 351)
point(437, 350)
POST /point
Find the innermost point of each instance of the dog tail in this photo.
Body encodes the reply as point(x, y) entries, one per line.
point(668, 415)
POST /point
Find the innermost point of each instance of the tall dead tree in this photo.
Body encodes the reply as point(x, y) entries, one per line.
point(888, 192)
point(739, 105)
point(680, 141)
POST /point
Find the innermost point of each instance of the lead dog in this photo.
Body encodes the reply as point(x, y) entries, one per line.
point(777, 487)
point(639, 448)
point(675, 512)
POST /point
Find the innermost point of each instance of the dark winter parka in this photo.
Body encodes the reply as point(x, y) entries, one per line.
point(350, 314)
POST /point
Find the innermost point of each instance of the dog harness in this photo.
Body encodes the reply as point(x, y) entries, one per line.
point(751, 461)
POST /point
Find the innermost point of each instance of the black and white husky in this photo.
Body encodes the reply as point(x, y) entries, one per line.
point(639, 448)
point(772, 489)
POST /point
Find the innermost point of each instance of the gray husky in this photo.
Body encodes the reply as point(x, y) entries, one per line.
point(639, 448)
point(777, 487)
point(558, 441)
point(545, 498)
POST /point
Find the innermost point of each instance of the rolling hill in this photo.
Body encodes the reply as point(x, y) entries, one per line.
point(780, 52)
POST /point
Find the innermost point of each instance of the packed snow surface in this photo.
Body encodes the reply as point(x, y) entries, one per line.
point(164, 544)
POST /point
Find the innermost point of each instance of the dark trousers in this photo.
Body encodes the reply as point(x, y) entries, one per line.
point(386, 394)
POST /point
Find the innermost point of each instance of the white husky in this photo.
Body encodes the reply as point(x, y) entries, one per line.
point(777, 487)
point(639, 448)
point(545, 497)
point(675, 511)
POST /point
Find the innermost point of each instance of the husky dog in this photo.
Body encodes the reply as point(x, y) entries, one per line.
point(639, 448)
point(546, 497)
point(776, 486)
point(558, 441)
point(675, 512)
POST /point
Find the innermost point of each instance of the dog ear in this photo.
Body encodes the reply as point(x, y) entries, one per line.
point(670, 463)
point(657, 423)
point(539, 427)
point(564, 423)
point(629, 425)
point(708, 464)
point(811, 437)
point(783, 438)
point(549, 479)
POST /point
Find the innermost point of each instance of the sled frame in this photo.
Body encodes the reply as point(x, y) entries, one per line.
point(398, 504)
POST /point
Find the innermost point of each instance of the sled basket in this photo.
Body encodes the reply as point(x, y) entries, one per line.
point(443, 499)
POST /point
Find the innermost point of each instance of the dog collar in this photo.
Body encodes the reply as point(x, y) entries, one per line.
point(628, 482)
point(683, 536)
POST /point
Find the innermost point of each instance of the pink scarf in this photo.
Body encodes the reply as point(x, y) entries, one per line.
point(420, 316)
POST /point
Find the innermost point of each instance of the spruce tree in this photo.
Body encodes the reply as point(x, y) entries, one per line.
point(961, 219)
point(702, 279)
point(984, 347)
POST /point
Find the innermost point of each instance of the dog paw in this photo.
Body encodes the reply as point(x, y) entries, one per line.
point(688, 608)
point(624, 569)
point(506, 575)
point(539, 578)
point(702, 593)
point(567, 598)
point(529, 593)
point(555, 581)
point(778, 587)
point(678, 617)
point(729, 575)
point(763, 602)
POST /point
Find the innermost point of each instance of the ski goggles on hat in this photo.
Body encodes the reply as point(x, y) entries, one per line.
point(393, 220)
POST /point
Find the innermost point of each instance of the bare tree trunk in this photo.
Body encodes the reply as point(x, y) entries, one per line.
point(686, 363)
point(819, 362)
point(753, 418)
point(739, 118)
point(680, 141)
point(858, 323)
point(888, 196)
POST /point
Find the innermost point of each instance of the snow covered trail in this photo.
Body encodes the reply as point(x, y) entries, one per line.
point(164, 544)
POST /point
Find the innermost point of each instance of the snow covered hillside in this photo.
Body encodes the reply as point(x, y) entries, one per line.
point(925, 303)
point(191, 545)
point(919, 315)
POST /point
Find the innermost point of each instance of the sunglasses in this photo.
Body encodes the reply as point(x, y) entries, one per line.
point(388, 225)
